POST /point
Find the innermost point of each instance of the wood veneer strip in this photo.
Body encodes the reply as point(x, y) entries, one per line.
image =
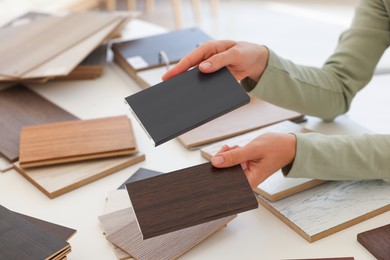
point(276, 187)
point(254, 115)
point(21, 107)
point(76, 141)
point(57, 180)
point(376, 241)
point(216, 193)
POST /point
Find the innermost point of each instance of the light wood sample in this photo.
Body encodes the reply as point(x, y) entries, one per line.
point(331, 207)
point(76, 141)
point(60, 179)
point(276, 186)
point(20, 107)
point(254, 115)
point(128, 237)
point(4, 165)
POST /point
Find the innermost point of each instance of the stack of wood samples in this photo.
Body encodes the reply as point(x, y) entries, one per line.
point(255, 115)
point(331, 207)
point(156, 51)
point(72, 38)
point(21, 107)
point(217, 193)
point(24, 237)
point(377, 241)
point(276, 187)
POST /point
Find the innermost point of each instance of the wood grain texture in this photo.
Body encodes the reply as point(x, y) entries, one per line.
point(62, 33)
point(168, 246)
point(20, 239)
point(256, 114)
point(76, 141)
point(216, 193)
point(276, 187)
point(331, 207)
point(200, 98)
point(57, 180)
point(377, 241)
point(21, 107)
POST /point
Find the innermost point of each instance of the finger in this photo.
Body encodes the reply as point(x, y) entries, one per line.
point(230, 158)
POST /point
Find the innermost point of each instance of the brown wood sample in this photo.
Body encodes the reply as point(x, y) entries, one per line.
point(20, 239)
point(20, 107)
point(215, 193)
point(377, 241)
point(76, 141)
point(256, 114)
point(60, 179)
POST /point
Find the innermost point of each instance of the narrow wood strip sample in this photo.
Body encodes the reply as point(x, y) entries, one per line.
point(216, 193)
point(168, 246)
point(276, 187)
point(20, 107)
point(20, 239)
point(331, 207)
point(376, 241)
point(57, 180)
point(76, 141)
point(256, 114)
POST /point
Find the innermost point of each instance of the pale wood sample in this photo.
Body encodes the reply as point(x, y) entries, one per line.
point(276, 186)
point(5, 165)
point(331, 207)
point(117, 200)
point(76, 141)
point(168, 246)
point(254, 115)
point(60, 179)
point(62, 33)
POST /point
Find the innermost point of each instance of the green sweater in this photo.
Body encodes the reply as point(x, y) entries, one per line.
point(327, 92)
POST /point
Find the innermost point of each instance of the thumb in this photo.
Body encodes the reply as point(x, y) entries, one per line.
point(229, 158)
point(214, 63)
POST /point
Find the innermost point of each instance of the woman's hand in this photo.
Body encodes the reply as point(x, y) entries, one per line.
point(243, 59)
point(260, 158)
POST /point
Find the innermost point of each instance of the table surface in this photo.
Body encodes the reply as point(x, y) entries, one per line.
point(256, 234)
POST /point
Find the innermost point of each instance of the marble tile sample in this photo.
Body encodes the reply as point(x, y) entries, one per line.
point(331, 207)
point(60, 179)
point(377, 241)
point(276, 186)
point(76, 140)
point(254, 115)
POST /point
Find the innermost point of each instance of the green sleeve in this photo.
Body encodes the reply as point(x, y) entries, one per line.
point(341, 157)
point(328, 91)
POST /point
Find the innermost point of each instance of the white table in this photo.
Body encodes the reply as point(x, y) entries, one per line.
point(256, 234)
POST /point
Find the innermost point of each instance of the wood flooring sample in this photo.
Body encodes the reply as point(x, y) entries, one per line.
point(76, 141)
point(277, 186)
point(256, 114)
point(182, 103)
point(21, 239)
point(21, 107)
point(377, 242)
point(60, 179)
point(167, 246)
point(189, 197)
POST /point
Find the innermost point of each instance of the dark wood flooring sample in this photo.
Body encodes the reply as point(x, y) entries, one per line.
point(182, 103)
point(20, 239)
point(377, 241)
point(188, 197)
point(140, 174)
point(20, 107)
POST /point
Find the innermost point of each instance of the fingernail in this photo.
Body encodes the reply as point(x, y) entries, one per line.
point(217, 160)
point(205, 65)
point(244, 166)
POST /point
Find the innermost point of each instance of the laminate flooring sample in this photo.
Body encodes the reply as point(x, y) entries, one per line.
point(60, 179)
point(256, 114)
point(140, 174)
point(185, 102)
point(331, 207)
point(21, 107)
point(76, 141)
point(276, 186)
point(167, 246)
point(377, 241)
point(20, 239)
point(189, 197)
